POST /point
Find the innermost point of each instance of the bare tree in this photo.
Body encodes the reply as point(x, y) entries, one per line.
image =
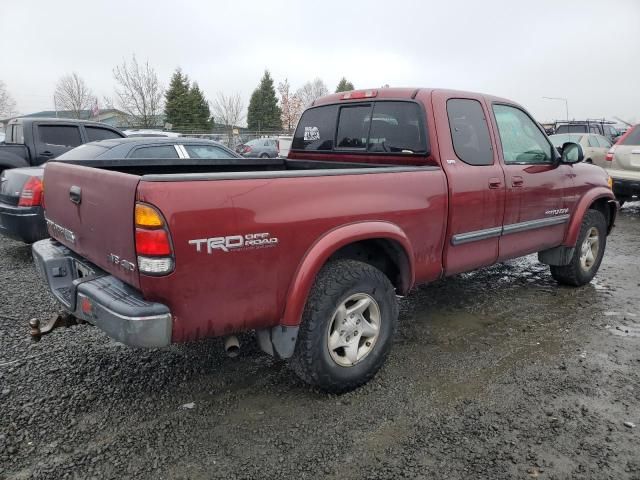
point(7, 104)
point(73, 94)
point(312, 90)
point(139, 93)
point(290, 104)
point(228, 110)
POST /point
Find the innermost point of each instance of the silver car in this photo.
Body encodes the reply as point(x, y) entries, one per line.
point(623, 165)
point(595, 146)
point(260, 148)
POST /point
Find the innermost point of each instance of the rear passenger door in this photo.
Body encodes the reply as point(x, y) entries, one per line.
point(475, 178)
point(52, 140)
point(536, 209)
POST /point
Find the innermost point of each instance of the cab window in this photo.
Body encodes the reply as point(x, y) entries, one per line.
point(469, 131)
point(521, 139)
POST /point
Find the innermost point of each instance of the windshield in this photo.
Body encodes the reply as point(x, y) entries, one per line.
point(559, 140)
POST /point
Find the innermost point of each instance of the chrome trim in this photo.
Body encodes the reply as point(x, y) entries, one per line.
point(533, 224)
point(477, 235)
point(269, 174)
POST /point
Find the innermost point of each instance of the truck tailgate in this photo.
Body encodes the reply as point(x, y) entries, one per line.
point(91, 211)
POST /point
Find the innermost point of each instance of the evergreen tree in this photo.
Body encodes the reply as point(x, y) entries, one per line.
point(200, 114)
point(344, 86)
point(177, 100)
point(264, 113)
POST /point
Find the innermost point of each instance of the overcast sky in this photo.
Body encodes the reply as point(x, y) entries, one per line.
point(585, 50)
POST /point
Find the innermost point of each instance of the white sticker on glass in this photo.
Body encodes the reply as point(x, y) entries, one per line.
point(311, 134)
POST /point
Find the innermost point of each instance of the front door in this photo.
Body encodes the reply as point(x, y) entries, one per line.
point(536, 213)
point(55, 139)
point(476, 182)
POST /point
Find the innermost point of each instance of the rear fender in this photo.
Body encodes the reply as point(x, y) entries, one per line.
point(327, 245)
point(583, 205)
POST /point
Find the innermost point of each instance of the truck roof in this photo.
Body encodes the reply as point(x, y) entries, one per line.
point(27, 120)
point(401, 93)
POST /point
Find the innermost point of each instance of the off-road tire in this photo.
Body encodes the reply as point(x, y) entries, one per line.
point(574, 274)
point(335, 283)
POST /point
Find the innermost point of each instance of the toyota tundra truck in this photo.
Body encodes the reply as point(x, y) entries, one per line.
point(382, 190)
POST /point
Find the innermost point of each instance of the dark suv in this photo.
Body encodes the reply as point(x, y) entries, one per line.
point(599, 127)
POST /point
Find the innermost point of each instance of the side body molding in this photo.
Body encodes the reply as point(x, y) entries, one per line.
point(332, 241)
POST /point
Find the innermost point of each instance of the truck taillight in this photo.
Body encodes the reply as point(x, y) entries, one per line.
point(247, 149)
point(359, 94)
point(31, 195)
point(153, 241)
point(609, 156)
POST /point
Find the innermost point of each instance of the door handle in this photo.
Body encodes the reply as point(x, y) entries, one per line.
point(517, 181)
point(47, 153)
point(495, 182)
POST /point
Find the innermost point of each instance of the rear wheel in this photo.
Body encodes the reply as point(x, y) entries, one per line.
point(588, 253)
point(347, 326)
point(264, 155)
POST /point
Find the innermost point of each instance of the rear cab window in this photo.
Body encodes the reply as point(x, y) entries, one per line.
point(469, 131)
point(15, 134)
point(378, 127)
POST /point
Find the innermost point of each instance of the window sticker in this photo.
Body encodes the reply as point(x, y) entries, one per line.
point(311, 134)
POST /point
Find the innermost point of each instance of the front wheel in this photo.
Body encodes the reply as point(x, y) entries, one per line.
point(347, 326)
point(588, 253)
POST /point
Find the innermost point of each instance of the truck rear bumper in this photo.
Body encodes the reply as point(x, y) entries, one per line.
point(25, 224)
point(101, 299)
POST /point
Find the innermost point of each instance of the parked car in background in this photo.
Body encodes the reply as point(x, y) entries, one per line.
point(623, 166)
point(382, 190)
point(33, 141)
point(284, 145)
point(599, 127)
point(595, 147)
point(21, 189)
point(259, 148)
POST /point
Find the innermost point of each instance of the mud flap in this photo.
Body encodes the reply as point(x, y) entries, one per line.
point(557, 256)
point(278, 341)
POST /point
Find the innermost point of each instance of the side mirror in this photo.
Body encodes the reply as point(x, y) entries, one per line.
point(571, 153)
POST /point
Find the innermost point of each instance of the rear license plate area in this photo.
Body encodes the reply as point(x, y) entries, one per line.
point(82, 270)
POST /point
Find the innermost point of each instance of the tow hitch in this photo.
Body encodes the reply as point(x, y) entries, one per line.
point(39, 328)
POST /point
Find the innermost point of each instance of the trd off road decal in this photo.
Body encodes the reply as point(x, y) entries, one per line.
point(311, 134)
point(230, 243)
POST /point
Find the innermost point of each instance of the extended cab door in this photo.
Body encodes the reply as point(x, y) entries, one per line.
point(475, 178)
point(52, 140)
point(536, 212)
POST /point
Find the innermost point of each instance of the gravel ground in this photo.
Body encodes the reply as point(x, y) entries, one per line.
point(494, 374)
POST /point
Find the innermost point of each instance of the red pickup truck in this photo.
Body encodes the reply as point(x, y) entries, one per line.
point(382, 190)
